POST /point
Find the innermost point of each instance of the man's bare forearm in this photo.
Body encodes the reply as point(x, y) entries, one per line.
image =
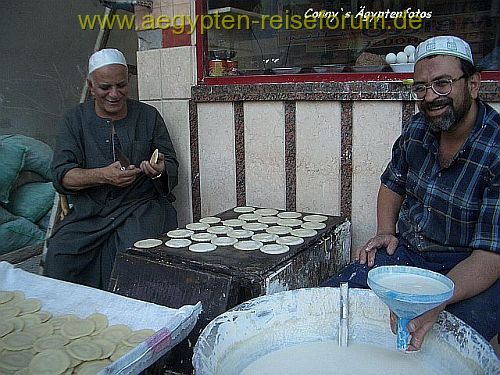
point(388, 206)
point(474, 274)
point(79, 178)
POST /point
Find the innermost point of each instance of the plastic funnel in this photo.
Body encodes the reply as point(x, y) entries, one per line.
point(409, 292)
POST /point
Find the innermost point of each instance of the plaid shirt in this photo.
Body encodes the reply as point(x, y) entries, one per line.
point(448, 209)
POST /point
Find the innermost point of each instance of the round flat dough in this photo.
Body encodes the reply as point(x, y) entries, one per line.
point(243, 209)
point(43, 315)
point(30, 320)
point(219, 229)
point(268, 219)
point(202, 247)
point(290, 240)
point(301, 232)
point(210, 220)
point(148, 243)
point(5, 296)
point(138, 336)
point(115, 333)
point(101, 322)
point(224, 241)
point(50, 342)
point(289, 222)
point(254, 226)
point(203, 237)
point(315, 218)
point(249, 217)
point(41, 330)
point(178, 242)
point(316, 225)
point(92, 367)
point(180, 233)
point(18, 341)
point(6, 327)
point(197, 226)
point(289, 215)
point(84, 350)
point(265, 237)
point(278, 229)
point(74, 329)
point(49, 362)
point(274, 249)
point(18, 324)
point(7, 312)
point(248, 245)
point(233, 222)
point(29, 306)
point(107, 347)
point(13, 361)
point(120, 351)
point(266, 211)
point(240, 233)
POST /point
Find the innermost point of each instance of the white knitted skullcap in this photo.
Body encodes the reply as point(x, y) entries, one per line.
point(105, 57)
point(444, 45)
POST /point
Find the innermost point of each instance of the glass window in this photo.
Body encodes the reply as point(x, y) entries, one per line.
point(247, 37)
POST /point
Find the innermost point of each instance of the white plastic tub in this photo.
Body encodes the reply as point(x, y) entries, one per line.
point(240, 336)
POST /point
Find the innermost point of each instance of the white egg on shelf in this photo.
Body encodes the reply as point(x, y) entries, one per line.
point(401, 57)
point(390, 58)
point(409, 50)
point(411, 58)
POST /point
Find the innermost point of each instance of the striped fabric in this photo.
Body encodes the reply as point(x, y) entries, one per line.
point(448, 209)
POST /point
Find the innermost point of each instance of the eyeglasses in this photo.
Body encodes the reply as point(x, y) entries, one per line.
point(441, 87)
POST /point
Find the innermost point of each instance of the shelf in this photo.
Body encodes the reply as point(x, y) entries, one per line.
point(231, 10)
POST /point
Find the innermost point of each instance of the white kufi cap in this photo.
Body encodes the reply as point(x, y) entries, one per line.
point(107, 56)
point(444, 45)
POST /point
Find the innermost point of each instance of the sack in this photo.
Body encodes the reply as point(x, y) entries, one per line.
point(32, 201)
point(19, 233)
point(38, 154)
point(12, 161)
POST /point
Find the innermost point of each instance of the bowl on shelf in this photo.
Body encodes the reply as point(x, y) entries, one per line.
point(292, 70)
point(331, 68)
point(367, 68)
point(403, 67)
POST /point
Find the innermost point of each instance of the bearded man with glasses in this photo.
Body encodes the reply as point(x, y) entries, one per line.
point(438, 204)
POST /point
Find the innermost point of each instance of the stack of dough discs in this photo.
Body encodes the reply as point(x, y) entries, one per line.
point(243, 209)
point(233, 222)
point(274, 249)
point(290, 240)
point(240, 233)
point(210, 220)
point(148, 243)
point(203, 237)
point(266, 212)
point(265, 237)
point(202, 247)
point(289, 222)
point(224, 241)
point(315, 218)
point(178, 242)
point(278, 229)
point(197, 226)
point(316, 225)
point(268, 219)
point(180, 233)
point(301, 232)
point(249, 217)
point(254, 226)
point(219, 229)
point(248, 245)
point(289, 215)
